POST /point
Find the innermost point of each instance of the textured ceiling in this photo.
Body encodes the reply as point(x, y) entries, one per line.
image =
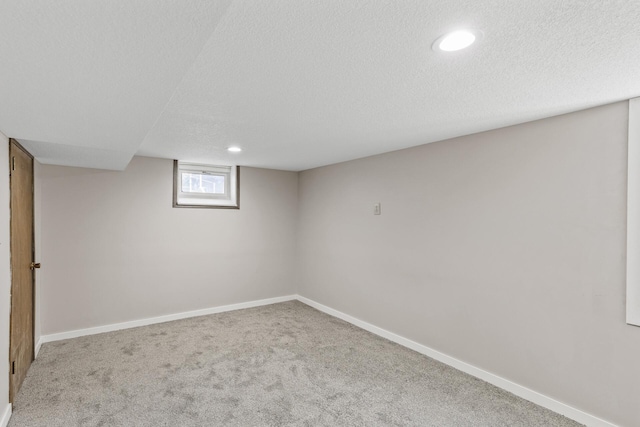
point(297, 84)
point(83, 76)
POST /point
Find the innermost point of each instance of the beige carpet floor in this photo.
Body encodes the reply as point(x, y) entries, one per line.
point(280, 365)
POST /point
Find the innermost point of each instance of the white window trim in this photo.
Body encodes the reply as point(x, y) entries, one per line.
point(229, 200)
point(633, 214)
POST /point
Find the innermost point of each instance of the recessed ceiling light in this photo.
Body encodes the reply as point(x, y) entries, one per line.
point(456, 40)
point(234, 149)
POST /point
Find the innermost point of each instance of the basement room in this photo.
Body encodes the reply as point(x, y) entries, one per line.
point(320, 213)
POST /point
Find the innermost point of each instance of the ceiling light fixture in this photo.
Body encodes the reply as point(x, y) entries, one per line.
point(456, 40)
point(234, 149)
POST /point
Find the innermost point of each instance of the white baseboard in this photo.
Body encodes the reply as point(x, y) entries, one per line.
point(6, 416)
point(159, 319)
point(517, 389)
point(37, 349)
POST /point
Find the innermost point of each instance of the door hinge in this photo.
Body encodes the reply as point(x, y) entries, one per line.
point(13, 367)
point(13, 163)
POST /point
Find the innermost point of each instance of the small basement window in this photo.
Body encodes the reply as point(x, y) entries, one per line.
point(205, 186)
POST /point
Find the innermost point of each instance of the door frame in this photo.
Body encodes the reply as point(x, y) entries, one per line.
point(33, 254)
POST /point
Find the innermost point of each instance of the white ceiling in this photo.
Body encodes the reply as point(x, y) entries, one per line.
point(297, 84)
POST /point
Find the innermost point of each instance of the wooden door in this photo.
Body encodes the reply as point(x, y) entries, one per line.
point(21, 348)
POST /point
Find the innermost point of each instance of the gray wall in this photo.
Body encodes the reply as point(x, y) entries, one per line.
point(114, 250)
point(504, 249)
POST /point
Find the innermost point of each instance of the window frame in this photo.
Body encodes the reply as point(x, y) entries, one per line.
point(229, 200)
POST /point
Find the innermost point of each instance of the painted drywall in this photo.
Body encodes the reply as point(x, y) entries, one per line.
point(115, 250)
point(5, 273)
point(504, 249)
